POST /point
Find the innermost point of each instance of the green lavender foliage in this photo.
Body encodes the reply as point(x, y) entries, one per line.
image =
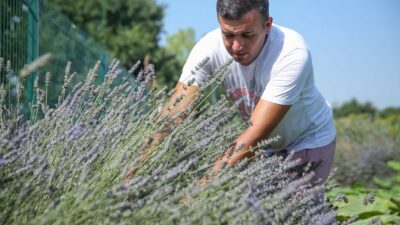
point(66, 165)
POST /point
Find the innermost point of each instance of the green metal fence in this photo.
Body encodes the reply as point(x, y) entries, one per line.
point(18, 32)
point(30, 28)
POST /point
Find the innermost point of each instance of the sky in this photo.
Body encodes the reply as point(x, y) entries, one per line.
point(355, 45)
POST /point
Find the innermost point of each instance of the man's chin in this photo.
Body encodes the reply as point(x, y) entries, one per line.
point(241, 61)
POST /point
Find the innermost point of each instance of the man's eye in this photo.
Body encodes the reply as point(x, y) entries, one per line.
point(228, 35)
point(247, 35)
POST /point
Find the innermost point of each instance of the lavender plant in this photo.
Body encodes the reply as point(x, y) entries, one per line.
point(66, 165)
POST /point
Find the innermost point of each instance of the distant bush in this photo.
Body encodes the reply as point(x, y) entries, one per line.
point(354, 107)
point(364, 145)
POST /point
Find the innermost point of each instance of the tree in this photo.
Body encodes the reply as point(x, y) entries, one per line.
point(389, 111)
point(129, 30)
point(176, 52)
point(181, 44)
point(354, 107)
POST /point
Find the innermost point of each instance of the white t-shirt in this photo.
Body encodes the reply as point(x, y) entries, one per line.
point(283, 74)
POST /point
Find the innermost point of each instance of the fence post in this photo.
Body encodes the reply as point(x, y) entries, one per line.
point(33, 43)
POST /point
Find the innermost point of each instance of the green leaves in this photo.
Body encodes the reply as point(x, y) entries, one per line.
point(129, 30)
point(181, 43)
point(385, 206)
point(394, 165)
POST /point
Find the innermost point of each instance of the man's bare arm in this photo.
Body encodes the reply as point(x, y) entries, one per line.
point(187, 95)
point(264, 119)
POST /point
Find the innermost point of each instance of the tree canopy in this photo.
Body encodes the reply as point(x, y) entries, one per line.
point(130, 30)
point(353, 106)
point(181, 43)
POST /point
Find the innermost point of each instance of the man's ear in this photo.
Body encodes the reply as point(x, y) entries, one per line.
point(268, 23)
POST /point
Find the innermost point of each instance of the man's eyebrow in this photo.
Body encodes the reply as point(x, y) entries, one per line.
point(244, 33)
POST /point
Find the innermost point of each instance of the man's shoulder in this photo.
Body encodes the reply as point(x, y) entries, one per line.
point(212, 45)
point(290, 37)
point(212, 36)
point(211, 41)
point(216, 31)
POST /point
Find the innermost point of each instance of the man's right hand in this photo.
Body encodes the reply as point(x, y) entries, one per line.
point(186, 94)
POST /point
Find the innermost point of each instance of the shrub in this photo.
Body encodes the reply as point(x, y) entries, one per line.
point(66, 165)
point(364, 145)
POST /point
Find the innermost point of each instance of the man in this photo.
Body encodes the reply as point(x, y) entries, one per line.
point(272, 72)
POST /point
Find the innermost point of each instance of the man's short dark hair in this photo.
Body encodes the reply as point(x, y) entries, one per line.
point(235, 9)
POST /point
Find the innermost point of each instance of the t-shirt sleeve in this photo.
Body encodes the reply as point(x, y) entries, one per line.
point(289, 78)
point(202, 51)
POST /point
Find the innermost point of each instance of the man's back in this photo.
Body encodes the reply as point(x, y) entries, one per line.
point(282, 73)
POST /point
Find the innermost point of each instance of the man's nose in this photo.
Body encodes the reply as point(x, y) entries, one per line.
point(237, 46)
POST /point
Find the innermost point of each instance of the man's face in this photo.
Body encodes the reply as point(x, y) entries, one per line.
point(244, 38)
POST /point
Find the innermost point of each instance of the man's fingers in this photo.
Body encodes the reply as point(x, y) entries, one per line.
point(203, 181)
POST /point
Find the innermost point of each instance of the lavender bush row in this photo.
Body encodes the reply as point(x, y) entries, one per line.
point(66, 165)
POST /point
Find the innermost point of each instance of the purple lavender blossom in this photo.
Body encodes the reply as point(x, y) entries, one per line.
point(2, 161)
point(75, 131)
